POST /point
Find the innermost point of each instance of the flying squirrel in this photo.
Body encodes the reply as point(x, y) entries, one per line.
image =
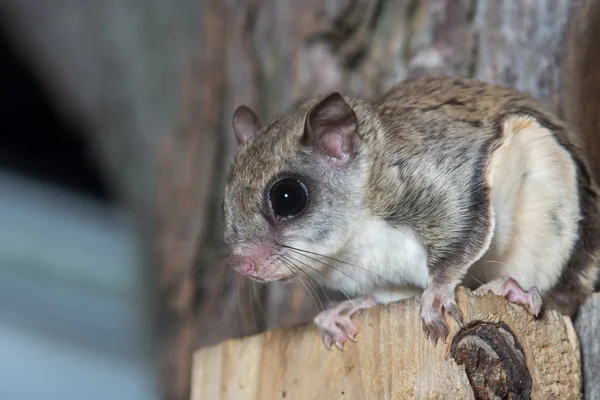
point(442, 181)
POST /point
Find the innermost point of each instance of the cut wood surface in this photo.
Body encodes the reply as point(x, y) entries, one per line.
point(500, 352)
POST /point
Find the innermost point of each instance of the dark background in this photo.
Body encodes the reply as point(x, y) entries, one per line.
point(36, 141)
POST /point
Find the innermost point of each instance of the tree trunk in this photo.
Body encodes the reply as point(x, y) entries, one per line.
point(587, 326)
point(160, 81)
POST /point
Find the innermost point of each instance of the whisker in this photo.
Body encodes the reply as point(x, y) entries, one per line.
point(228, 278)
point(354, 305)
point(215, 241)
point(311, 278)
point(189, 245)
point(333, 259)
point(314, 291)
point(473, 276)
point(327, 265)
point(348, 297)
point(251, 304)
point(316, 271)
point(287, 265)
point(290, 266)
point(309, 293)
point(289, 256)
point(216, 276)
point(291, 269)
point(306, 265)
point(293, 282)
point(237, 317)
point(320, 255)
point(205, 264)
point(260, 305)
point(210, 246)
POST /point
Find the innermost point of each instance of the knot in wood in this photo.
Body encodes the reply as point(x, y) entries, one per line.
point(494, 361)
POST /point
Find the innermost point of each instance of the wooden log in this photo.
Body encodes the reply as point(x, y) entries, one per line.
point(500, 352)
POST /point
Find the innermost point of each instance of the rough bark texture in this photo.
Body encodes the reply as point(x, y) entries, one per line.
point(157, 83)
point(502, 352)
point(579, 106)
point(581, 72)
point(587, 325)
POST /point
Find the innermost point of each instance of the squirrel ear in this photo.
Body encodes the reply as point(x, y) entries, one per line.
point(330, 126)
point(246, 124)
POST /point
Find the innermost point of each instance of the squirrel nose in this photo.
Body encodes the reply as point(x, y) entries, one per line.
point(243, 265)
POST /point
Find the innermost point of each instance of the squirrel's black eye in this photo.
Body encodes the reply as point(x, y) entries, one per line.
point(288, 197)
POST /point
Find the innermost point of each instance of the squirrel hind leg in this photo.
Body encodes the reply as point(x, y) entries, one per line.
point(511, 290)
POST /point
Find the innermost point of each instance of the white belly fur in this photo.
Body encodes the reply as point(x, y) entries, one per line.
point(391, 257)
point(536, 208)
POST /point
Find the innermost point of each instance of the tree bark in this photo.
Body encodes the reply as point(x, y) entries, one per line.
point(587, 325)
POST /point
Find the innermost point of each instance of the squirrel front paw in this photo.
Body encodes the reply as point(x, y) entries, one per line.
point(335, 324)
point(434, 301)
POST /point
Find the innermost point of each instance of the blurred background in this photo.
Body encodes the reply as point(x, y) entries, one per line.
point(72, 319)
point(115, 141)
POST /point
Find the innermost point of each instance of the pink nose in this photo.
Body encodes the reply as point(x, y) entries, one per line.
point(243, 265)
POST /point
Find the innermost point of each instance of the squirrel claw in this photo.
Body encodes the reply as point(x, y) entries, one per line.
point(433, 303)
point(335, 324)
point(511, 290)
point(335, 328)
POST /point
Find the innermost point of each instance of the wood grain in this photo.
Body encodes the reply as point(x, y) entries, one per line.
point(393, 359)
point(587, 325)
point(581, 77)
